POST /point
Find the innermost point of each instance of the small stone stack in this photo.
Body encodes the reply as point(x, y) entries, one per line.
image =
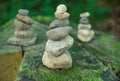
point(56, 55)
point(23, 35)
point(84, 32)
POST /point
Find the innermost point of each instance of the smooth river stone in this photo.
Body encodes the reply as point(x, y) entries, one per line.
point(58, 23)
point(85, 37)
point(61, 16)
point(64, 61)
point(84, 20)
point(59, 33)
point(19, 25)
point(84, 26)
point(23, 12)
point(23, 34)
point(22, 41)
point(56, 48)
point(61, 8)
point(25, 19)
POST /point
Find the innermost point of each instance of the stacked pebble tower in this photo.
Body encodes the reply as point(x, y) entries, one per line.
point(84, 32)
point(23, 35)
point(56, 55)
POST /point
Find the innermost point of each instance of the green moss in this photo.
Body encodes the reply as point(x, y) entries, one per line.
point(103, 47)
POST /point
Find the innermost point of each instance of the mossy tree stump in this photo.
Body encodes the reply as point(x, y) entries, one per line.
point(89, 59)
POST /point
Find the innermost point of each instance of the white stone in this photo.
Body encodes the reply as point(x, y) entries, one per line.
point(86, 14)
point(61, 8)
point(64, 61)
point(62, 15)
point(84, 32)
point(56, 48)
point(85, 37)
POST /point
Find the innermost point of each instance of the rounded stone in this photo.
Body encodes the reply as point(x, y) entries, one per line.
point(58, 33)
point(21, 25)
point(58, 23)
point(56, 48)
point(23, 34)
point(25, 19)
point(23, 12)
point(62, 15)
point(64, 61)
point(84, 20)
point(84, 26)
point(84, 32)
point(85, 14)
point(61, 8)
point(85, 38)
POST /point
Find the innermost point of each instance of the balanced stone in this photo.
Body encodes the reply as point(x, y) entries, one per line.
point(63, 61)
point(61, 8)
point(84, 32)
point(23, 12)
point(56, 48)
point(25, 19)
point(85, 14)
point(84, 20)
point(61, 12)
point(85, 36)
point(62, 15)
point(59, 33)
point(56, 55)
point(84, 26)
point(21, 25)
point(23, 35)
point(59, 23)
point(25, 41)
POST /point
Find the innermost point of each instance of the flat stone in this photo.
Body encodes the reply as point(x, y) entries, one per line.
point(64, 61)
point(25, 19)
point(59, 33)
point(19, 25)
point(23, 34)
point(56, 48)
point(58, 23)
point(85, 37)
point(85, 14)
point(22, 41)
point(84, 32)
point(62, 15)
point(84, 26)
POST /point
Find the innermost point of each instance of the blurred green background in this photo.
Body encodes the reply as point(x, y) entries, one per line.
point(104, 13)
point(99, 9)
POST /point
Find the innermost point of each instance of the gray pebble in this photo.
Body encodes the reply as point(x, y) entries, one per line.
point(84, 20)
point(23, 12)
point(58, 33)
point(58, 23)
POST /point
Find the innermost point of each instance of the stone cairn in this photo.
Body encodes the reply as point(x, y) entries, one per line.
point(23, 35)
point(84, 32)
point(56, 55)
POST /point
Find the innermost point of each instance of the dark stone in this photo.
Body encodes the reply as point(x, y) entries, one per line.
point(109, 76)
